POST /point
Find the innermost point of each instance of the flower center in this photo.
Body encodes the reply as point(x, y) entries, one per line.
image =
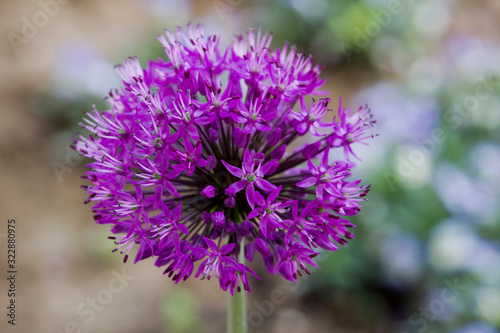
point(250, 177)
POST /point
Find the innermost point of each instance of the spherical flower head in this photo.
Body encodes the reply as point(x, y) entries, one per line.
point(192, 160)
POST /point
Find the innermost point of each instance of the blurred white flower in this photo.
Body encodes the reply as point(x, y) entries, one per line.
point(486, 264)
point(488, 303)
point(432, 18)
point(413, 164)
point(453, 246)
point(426, 76)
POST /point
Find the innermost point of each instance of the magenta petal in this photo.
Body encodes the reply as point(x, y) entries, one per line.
point(268, 166)
point(303, 106)
point(240, 138)
point(191, 167)
point(201, 162)
point(272, 197)
point(262, 247)
point(229, 202)
point(193, 132)
point(248, 129)
point(319, 191)
point(249, 251)
point(236, 187)
point(177, 212)
point(171, 189)
point(173, 174)
point(324, 160)
point(254, 213)
point(288, 236)
point(211, 163)
point(250, 193)
point(302, 128)
point(208, 192)
point(278, 153)
point(308, 182)
point(237, 118)
point(307, 209)
point(227, 248)
point(310, 150)
point(274, 136)
point(312, 168)
point(201, 268)
point(269, 264)
point(258, 157)
point(263, 227)
point(295, 209)
point(182, 228)
point(247, 159)
point(259, 199)
point(157, 196)
point(211, 244)
point(262, 127)
point(264, 185)
point(237, 172)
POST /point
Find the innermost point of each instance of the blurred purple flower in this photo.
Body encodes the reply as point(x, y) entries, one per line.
point(404, 259)
point(472, 56)
point(401, 116)
point(464, 195)
point(477, 327)
point(484, 160)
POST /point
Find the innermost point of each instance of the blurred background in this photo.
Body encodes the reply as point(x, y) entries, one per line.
point(426, 256)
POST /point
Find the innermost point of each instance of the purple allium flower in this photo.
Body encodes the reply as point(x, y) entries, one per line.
point(191, 163)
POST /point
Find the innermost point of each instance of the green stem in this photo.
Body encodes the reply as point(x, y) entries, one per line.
point(237, 306)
